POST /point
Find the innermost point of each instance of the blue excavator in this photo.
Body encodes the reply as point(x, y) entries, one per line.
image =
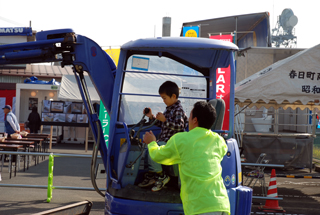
point(125, 90)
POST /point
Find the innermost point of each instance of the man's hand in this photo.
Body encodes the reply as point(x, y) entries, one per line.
point(18, 132)
point(161, 117)
point(149, 137)
point(148, 114)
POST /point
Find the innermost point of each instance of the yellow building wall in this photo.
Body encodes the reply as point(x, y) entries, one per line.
point(114, 54)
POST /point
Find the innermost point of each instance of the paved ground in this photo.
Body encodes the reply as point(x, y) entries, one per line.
point(301, 196)
point(73, 172)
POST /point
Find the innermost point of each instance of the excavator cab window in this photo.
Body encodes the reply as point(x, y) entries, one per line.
point(143, 76)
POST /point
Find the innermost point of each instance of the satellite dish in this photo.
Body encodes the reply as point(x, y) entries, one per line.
point(283, 33)
point(288, 20)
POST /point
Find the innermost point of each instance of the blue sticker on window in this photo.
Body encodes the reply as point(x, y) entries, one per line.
point(140, 63)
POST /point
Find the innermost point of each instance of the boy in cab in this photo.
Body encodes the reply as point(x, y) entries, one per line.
point(171, 121)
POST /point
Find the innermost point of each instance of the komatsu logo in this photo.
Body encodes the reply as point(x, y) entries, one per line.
point(11, 30)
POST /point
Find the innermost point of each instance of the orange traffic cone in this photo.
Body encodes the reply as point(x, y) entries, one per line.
point(272, 205)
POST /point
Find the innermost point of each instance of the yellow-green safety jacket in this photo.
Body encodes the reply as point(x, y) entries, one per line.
point(199, 153)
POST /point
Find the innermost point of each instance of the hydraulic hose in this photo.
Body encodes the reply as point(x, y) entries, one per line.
point(96, 144)
point(94, 161)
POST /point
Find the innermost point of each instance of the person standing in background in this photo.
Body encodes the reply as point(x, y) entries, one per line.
point(11, 123)
point(34, 120)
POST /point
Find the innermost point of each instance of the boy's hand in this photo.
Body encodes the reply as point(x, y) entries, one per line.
point(149, 137)
point(149, 114)
point(161, 117)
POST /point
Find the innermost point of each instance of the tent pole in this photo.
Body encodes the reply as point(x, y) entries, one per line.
point(314, 122)
point(314, 126)
point(276, 120)
point(236, 31)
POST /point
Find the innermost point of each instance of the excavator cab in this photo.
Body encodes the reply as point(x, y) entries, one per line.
point(143, 66)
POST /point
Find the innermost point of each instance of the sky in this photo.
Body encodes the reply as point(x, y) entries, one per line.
point(113, 23)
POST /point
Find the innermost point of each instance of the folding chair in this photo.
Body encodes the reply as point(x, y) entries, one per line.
point(257, 174)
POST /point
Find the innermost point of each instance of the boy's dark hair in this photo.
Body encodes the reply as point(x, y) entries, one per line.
point(205, 113)
point(169, 88)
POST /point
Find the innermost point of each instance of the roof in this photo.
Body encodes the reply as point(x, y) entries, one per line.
point(200, 54)
point(69, 89)
point(178, 43)
point(226, 25)
point(291, 81)
point(39, 70)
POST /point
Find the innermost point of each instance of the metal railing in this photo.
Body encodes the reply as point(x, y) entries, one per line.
point(285, 127)
point(238, 126)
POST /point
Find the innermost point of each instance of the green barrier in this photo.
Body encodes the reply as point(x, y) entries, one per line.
point(50, 177)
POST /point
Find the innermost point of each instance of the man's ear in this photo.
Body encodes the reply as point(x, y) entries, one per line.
point(174, 96)
point(195, 120)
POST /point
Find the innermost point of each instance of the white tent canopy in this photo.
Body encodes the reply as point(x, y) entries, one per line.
point(69, 89)
point(294, 81)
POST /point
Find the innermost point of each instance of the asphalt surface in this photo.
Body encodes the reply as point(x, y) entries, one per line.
point(300, 195)
point(73, 172)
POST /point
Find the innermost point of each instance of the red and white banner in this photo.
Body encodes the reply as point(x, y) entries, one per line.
point(223, 83)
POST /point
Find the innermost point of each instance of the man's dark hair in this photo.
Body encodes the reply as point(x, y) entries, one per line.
point(169, 88)
point(34, 109)
point(205, 113)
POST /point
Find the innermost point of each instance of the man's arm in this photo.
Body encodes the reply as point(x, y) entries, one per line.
point(166, 154)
